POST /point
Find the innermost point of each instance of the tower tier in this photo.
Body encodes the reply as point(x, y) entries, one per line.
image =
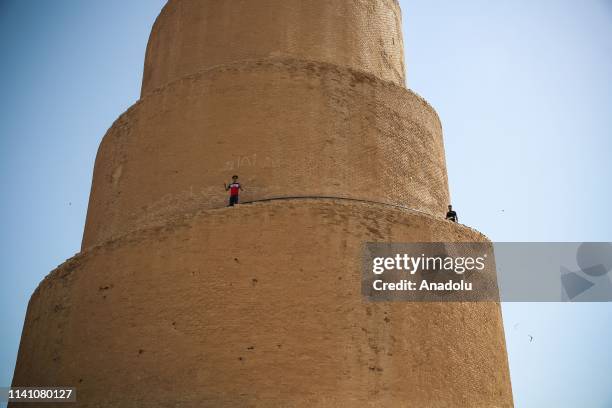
point(288, 128)
point(193, 35)
point(260, 305)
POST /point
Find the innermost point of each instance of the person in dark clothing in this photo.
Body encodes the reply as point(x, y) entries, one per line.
point(234, 188)
point(452, 215)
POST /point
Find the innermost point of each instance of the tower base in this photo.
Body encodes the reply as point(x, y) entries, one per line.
point(259, 305)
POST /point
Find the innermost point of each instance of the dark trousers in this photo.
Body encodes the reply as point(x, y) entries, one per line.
point(233, 200)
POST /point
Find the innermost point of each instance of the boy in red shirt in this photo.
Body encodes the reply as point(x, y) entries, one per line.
point(234, 189)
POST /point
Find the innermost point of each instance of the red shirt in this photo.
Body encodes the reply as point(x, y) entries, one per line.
point(234, 189)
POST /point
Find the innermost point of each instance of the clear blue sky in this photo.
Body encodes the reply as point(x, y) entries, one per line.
point(523, 88)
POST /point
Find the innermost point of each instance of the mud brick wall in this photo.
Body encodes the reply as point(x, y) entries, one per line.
point(260, 305)
point(192, 35)
point(177, 301)
point(287, 127)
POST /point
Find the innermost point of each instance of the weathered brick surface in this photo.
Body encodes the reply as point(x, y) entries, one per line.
point(192, 35)
point(176, 301)
point(260, 305)
point(286, 127)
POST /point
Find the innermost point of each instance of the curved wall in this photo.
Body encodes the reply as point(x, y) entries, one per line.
point(286, 127)
point(192, 35)
point(260, 305)
point(177, 301)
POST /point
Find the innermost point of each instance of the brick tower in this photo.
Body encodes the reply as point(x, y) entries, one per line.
point(176, 300)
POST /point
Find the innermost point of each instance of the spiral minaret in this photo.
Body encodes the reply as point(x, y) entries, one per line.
point(177, 300)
